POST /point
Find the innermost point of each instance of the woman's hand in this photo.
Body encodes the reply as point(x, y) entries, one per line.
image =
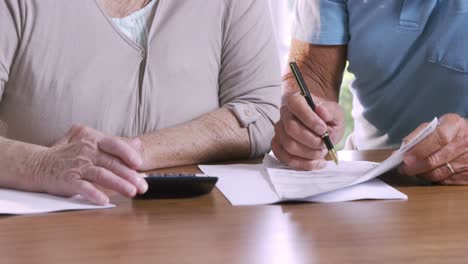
point(443, 156)
point(85, 159)
point(297, 140)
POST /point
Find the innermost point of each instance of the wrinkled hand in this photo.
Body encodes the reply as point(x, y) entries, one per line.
point(448, 144)
point(86, 158)
point(297, 140)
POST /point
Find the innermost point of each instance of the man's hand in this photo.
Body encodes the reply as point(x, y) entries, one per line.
point(85, 159)
point(443, 156)
point(297, 140)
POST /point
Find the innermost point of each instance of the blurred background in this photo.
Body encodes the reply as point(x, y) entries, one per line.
point(283, 17)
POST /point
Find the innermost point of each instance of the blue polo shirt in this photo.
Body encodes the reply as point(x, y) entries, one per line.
point(409, 57)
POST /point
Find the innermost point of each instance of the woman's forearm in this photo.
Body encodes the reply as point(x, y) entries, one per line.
point(18, 164)
point(212, 137)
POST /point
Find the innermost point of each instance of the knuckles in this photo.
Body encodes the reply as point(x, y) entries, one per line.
point(452, 125)
point(71, 177)
point(86, 147)
point(79, 131)
point(97, 174)
point(432, 161)
point(291, 146)
point(290, 126)
point(443, 136)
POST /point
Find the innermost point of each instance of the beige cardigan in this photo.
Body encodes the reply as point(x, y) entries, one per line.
point(63, 62)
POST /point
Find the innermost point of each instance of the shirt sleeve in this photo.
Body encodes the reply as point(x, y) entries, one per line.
point(321, 22)
point(10, 25)
point(249, 81)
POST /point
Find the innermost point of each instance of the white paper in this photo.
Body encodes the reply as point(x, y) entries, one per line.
point(293, 184)
point(245, 184)
point(18, 202)
point(272, 182)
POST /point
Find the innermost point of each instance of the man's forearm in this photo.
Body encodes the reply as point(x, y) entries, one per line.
point(321, 66)
point(212, 137)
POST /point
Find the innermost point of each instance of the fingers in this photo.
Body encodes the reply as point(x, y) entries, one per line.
point(297, 139)
point(327, 116)
point(447, 143)
point(107, 179)
point(330, 112)
point(91, 193)
point(79, 132)
point(291, 126)
point(413, 166)
point(136, 143)
point(446, 131)
point(298, 106)
point(122, 150)
point(74, 185)
point(118, 168)
point(294, 161)
point(314, 149)
point(438, 174)
point(115, 146)
point(452, 173)
point(458, 179)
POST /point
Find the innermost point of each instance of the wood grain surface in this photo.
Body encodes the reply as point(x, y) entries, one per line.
point(431, 227)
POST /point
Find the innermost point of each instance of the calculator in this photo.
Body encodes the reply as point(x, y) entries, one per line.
point(161, 186)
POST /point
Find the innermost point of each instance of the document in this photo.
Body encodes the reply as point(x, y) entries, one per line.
point(292, 184)
point(17, 202)
point(245, 184)
point(273, 182)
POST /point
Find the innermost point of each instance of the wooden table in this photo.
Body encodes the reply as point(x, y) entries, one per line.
point(431, 227)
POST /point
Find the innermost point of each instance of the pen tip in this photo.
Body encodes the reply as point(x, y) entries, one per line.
point(333, 155)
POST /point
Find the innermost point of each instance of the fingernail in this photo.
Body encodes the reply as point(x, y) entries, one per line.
point(132, 191)
point(320, 130)
point(142, 185)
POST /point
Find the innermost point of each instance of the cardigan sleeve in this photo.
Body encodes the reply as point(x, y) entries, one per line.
point(10, 34)
point(249, 81)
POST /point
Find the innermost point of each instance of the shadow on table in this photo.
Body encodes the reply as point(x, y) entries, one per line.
point(397, 180)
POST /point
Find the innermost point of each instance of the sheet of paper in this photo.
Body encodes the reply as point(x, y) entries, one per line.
point(18, 202)
point(245, 184)
point(292, 184)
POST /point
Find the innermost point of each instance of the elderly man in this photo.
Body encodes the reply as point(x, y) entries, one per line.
point(152, 84)
point(410, 59)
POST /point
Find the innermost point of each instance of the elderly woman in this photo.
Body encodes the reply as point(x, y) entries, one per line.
point(152, 84)
point(410, 59)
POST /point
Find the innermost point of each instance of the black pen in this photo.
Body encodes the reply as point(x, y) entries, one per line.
point(305, 92)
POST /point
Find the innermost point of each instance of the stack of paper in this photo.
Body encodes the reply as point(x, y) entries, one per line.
point(272, 182)
point(18, 202)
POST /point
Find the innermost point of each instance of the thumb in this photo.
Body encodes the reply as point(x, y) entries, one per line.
point(65, 139)
point(135, 143)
